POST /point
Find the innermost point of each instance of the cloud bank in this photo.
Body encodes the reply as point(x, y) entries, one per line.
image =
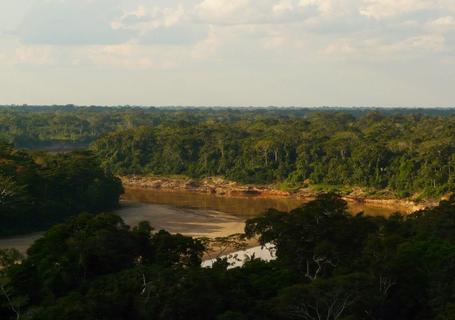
point(212, 36)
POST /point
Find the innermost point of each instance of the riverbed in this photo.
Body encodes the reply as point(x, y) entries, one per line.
point(196, 214)
point(243, 207)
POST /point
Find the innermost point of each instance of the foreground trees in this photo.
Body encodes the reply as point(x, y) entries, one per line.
point(37, 189)
point(330, 265)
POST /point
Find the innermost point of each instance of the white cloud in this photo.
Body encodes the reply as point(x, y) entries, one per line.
point(429, 42)
point(234, 12)
point(144, 19)
point(380, 9)
point(219, 10)
point(207, 47)
point(275, 42)
point(129, 56)
point(254, 37)
point(71, 22)
point(161, 25)
point(442, 24)
point(324, 6)
point(347, 27)
point(103, 22)
point(33, 55)
point(283, 7)
point(380, 49)
point(342, 46)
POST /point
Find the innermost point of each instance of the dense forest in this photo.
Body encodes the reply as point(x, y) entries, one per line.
point(330, 265)
point(399, 152)
point(56, 127)
point(39, 189)
point(407, 155)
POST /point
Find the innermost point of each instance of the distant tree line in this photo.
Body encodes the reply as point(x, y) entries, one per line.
point(40, 189)
point(66, 127)
point(406, 154)
point(330, 265)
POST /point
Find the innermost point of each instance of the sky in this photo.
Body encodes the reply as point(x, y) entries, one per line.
point(228, 52)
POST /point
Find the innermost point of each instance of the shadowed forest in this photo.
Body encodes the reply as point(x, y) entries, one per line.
point(330, 265)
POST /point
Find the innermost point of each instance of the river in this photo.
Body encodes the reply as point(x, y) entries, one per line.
point(195, 214)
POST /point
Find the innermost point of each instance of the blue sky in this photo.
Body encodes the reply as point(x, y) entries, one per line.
point(228, 52)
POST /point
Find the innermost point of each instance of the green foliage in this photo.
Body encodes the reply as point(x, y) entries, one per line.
point(405, 154)
point(316, 238)
point(407, 151)
point(330, 265)
point(38, 189)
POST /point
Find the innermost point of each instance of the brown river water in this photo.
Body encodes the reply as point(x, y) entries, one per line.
point(195, 214)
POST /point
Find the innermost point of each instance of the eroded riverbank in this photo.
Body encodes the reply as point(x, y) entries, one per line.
point(242, 207)
point(228, 189)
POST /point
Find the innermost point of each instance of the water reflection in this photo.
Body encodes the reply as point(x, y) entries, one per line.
point(243, 207)
point(195, 214)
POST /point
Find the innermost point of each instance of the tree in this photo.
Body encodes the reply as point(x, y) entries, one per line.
point(8, 259)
